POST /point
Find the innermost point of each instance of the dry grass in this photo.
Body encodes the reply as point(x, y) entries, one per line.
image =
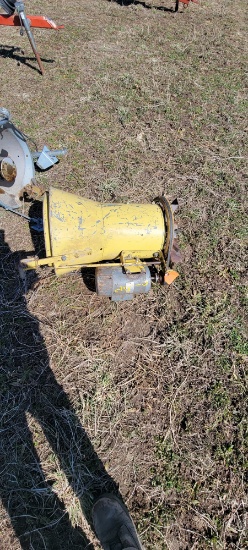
point(147, 398)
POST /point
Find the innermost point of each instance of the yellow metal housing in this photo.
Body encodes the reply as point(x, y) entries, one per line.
point(81, 232)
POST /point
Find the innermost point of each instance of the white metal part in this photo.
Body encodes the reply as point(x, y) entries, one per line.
point(46, 159)
point(17, 163)
point(13, 151)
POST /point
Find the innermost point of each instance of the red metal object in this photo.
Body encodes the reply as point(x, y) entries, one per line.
point(188, 1)
point(26, 22)
point(185, 2)
point(38, 21)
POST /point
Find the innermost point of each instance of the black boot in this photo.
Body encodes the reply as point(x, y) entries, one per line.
point(113, 525)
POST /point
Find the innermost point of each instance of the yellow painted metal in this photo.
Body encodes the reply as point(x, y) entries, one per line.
point(80, 231)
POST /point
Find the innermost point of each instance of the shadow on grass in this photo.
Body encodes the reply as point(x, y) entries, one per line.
point(145, 5)
point(17, 54)
point(28, 385)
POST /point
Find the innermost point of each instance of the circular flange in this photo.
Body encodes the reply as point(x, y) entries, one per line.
point(169, 222)
point(8, 169)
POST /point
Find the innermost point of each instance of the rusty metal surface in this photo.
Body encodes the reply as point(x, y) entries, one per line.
point(8, 169)
point(32, 191)
point(169, 223)
point(176, 256)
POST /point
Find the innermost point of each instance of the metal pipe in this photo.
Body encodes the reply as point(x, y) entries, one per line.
point(20, 10)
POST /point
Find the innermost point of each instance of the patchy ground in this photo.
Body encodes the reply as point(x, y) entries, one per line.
point(146, 397)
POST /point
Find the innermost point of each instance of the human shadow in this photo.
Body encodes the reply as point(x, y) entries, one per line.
point(17, 54)
point(29, 389)
point(144, 5)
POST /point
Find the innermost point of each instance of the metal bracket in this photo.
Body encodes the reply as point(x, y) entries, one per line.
point(46, 158)
point(77, 261)
point(130, 261)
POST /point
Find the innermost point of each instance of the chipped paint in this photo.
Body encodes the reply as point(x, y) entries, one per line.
point(107, 229)
point(80, 221)
point(58, 216)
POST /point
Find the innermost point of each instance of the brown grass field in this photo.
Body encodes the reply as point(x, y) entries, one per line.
point(144, 398)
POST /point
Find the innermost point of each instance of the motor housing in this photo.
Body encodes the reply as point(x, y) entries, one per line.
point(119, 285)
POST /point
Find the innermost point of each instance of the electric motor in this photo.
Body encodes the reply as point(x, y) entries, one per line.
point(119, 286)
